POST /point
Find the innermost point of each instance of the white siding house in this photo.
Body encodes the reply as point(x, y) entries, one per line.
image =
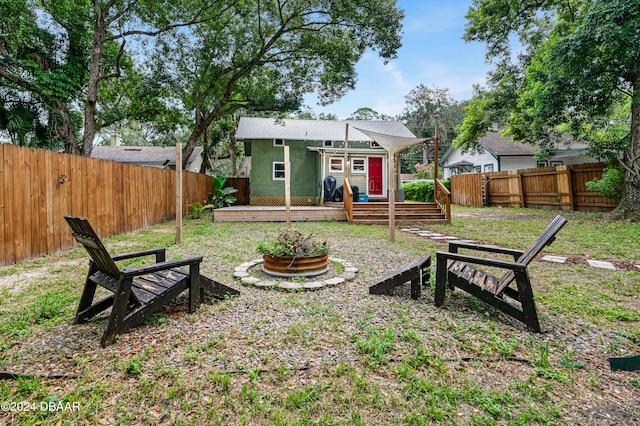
point(498, 154)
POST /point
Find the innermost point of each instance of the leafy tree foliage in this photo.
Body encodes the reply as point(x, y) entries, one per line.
point(367, 113)
point(261, 55)
point(42, 68)
point(428, 107)
point(579, 68)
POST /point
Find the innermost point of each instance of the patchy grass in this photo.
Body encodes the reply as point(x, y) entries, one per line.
point(338, 356)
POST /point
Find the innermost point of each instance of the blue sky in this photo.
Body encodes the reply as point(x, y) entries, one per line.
point(432, 53)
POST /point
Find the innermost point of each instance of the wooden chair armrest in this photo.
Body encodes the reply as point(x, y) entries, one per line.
point(141, 253)
point(442, 257)
point(147, 269)
point(453, 248)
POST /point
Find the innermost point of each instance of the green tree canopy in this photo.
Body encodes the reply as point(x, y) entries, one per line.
point(260, 55)
point(579, 66)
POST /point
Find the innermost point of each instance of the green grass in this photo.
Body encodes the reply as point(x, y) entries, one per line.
point(338, 356)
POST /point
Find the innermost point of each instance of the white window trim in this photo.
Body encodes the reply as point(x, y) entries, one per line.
point(364, 165)
point(327, 144)
point(273, 170)
point(331, 169)
point(275, 142)
point(486, 166)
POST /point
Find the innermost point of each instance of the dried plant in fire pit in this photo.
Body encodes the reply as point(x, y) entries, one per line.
point(292, 243)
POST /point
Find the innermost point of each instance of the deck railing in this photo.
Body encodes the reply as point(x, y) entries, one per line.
point(347, 198)
point(442, 197)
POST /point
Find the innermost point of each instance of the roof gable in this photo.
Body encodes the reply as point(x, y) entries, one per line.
point(141, 154)
point(316, 130)
point(496, 144)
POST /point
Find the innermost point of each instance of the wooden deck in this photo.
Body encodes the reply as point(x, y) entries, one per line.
point(278, 214)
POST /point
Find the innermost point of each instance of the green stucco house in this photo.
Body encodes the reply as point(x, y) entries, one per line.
point(317, 150)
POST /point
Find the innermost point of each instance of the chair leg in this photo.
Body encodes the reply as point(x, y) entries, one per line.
point(441, 280)
point(416, 289)
point(194, 286)
point(86, 300)
point(525, 295)
point(118, 312)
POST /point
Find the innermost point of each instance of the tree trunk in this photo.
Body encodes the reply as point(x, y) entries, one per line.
point(202, 124)
point(206, 163)
point(90, 126)
point(232, 153)
point(629, 206)
point(62, 128)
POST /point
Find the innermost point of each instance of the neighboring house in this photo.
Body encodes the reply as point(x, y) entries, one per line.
point(498, 154)
point(316, 151)
point(152, 156)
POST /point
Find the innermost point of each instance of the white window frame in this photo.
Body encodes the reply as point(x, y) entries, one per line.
point(278, 142)
point(488, 167)
point(274, 170)
point(327, 144)
point(364, 165)
point(477, 169)
point(331, 165)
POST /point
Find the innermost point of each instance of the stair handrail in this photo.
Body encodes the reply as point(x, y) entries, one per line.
point(348, 200)
point(442, 197)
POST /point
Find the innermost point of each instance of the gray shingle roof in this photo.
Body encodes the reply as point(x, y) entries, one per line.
point(315, 130)
point(141, 154)
point(493, 142)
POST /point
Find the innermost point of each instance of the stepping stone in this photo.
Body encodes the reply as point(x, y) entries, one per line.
point(241, 268)
point(349, 275)
point(424, 234)
point(313, 285)
point(245, 265)
point(444, 238)
point(250, 280)
point(351, 269)
point(290, 285)
point(265, 283)
point(601, 264)
point(240, 274)
point(638, 267)
point(554, 259)
point(335, 259)
point(334, 281)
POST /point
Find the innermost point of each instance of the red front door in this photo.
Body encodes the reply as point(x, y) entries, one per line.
point(375, 176)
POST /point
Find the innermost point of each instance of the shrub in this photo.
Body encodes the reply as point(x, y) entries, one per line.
point(422, 190)
point(610, 185)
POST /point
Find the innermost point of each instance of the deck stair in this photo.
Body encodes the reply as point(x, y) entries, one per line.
point(377, 213)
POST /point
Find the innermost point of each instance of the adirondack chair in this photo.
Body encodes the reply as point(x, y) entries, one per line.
point(458, 270)
point(137, 292)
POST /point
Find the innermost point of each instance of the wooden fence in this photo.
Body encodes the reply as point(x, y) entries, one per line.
point(38, 188)
point(559, 187)
point(242, 185)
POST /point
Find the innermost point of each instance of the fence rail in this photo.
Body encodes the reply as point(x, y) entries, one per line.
point(38, 188)
point(559, 187)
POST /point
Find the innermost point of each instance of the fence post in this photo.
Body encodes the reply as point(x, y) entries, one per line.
point(516, 197)
point(565, 191)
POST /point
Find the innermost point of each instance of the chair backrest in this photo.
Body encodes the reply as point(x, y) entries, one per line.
point(546, 238)
point(85, 235)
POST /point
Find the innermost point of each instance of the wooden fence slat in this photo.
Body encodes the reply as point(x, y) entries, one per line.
point(20, 204)
point(34, 204)
point(10, 216)
point(4, 215)
point(553, 187)
point(39, 187)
